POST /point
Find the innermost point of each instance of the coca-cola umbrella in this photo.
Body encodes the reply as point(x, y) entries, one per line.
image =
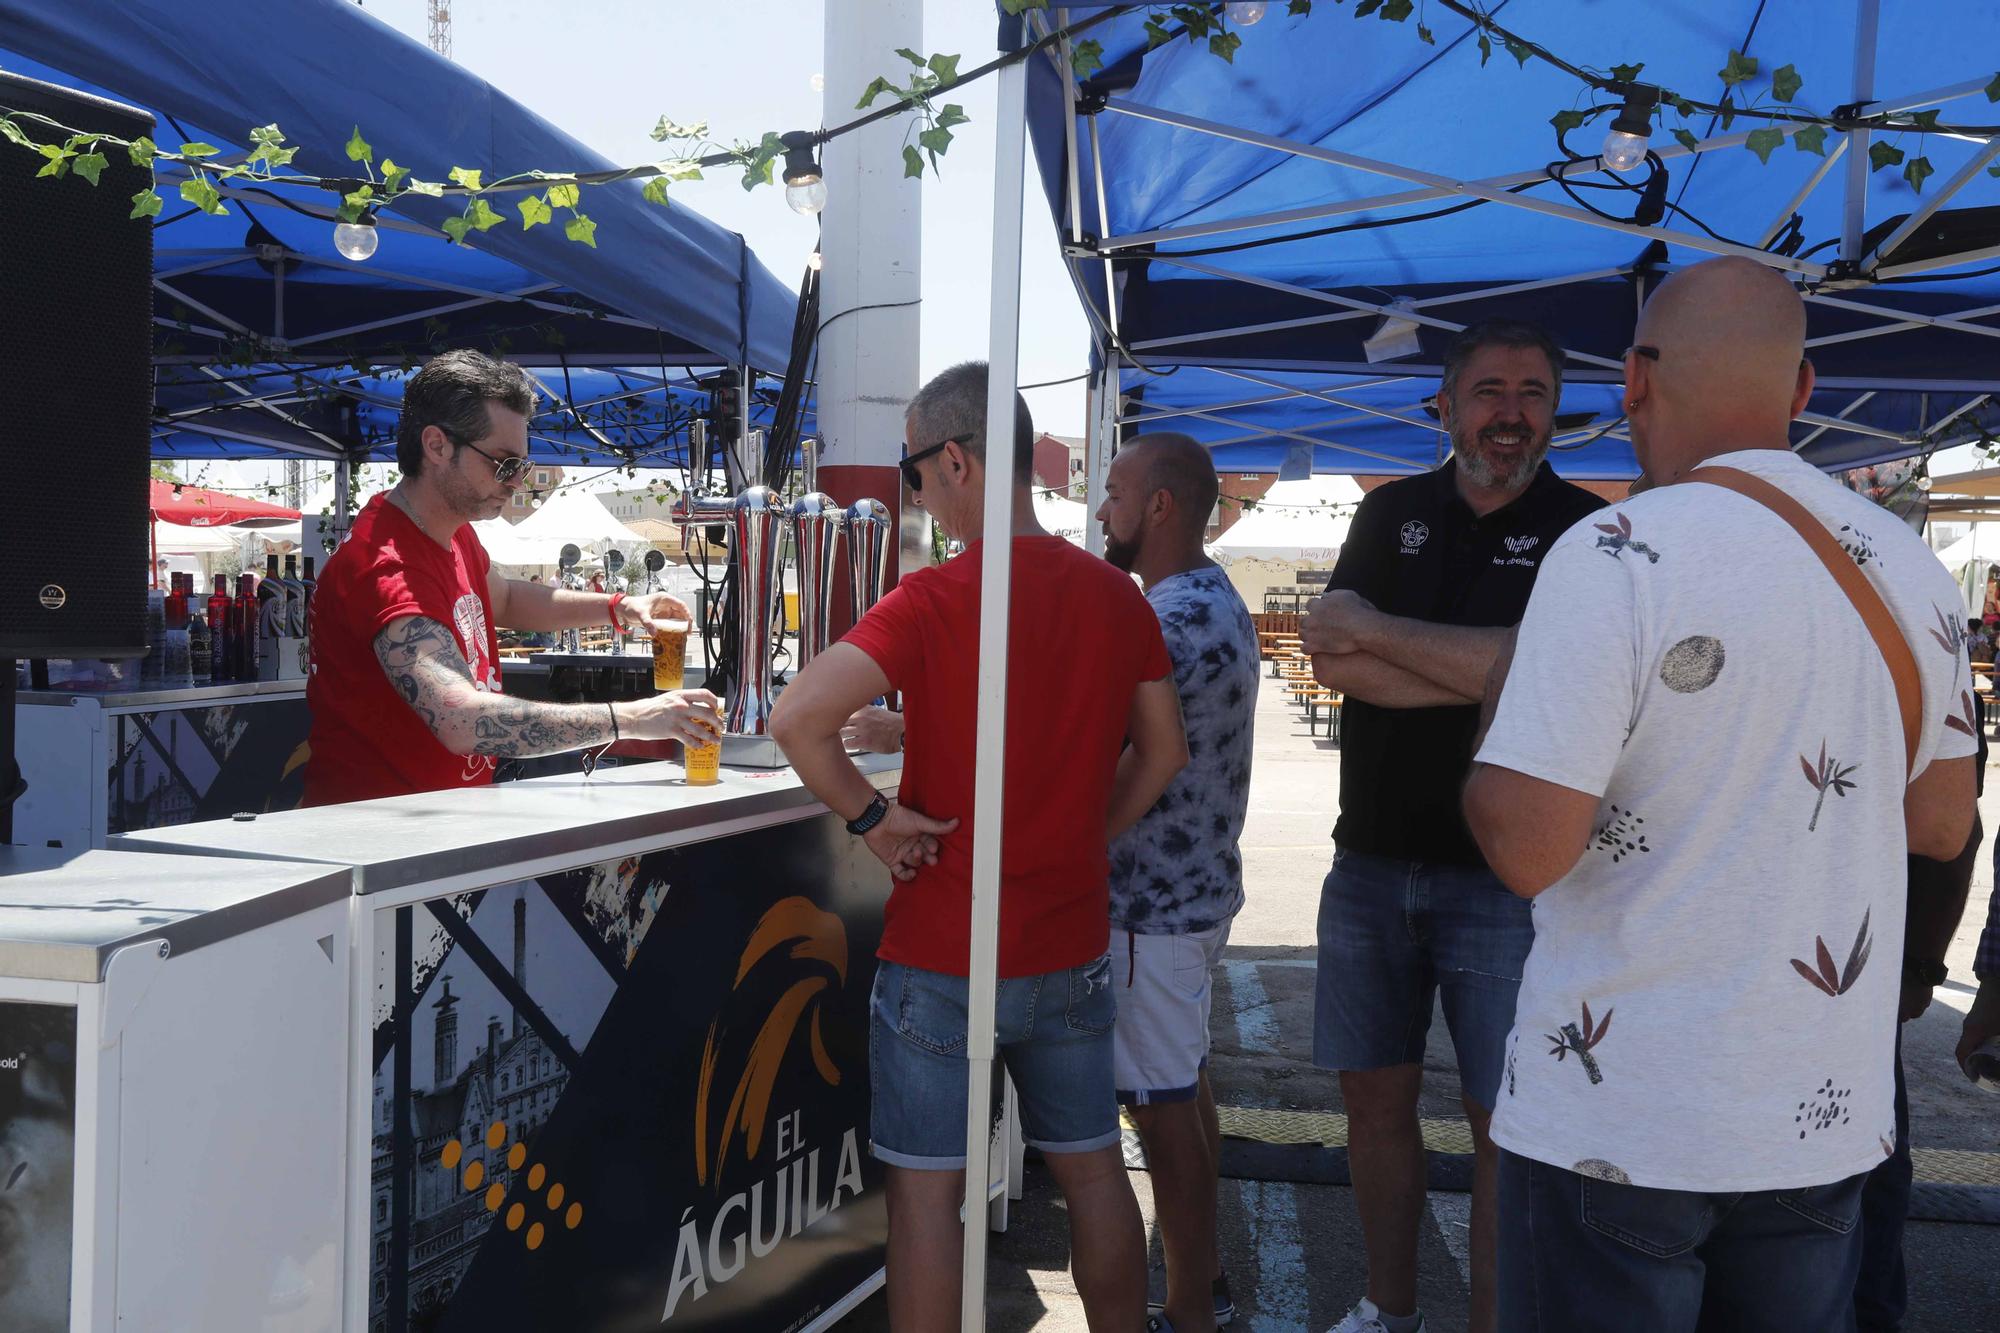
point(198, 507)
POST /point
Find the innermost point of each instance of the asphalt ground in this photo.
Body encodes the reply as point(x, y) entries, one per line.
point(1291, 1242)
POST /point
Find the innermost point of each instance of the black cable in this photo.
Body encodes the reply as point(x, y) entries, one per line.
point(1050, 384)
point(1938, 277)
point(855, 310)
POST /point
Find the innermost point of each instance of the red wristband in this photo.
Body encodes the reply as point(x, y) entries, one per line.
point(616, 598)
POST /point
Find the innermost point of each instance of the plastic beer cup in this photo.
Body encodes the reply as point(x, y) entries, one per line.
point(670, 654)
point(703, 763)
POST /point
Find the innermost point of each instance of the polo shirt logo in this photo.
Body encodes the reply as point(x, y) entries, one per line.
point(1516, 545)
point(1415, 534)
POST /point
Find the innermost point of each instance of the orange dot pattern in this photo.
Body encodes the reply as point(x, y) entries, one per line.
point(474, 1175)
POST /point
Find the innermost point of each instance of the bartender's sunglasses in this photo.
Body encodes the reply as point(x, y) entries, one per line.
point(908, 462)
point(504, 469)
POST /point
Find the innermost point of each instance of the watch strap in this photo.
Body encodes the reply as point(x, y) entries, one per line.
point(877, 811)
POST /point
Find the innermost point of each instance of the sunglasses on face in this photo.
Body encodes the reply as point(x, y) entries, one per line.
point(504, 469)
point(908, 463)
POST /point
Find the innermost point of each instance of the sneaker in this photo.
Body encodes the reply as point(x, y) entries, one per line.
point(1156, 1297)
point(1366, 1317)
point(1157, 1323)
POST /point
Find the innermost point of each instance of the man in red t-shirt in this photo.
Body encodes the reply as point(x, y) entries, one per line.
point(1087, 670)
point(404, 685)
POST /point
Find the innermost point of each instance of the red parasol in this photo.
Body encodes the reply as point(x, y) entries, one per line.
point(196, 507)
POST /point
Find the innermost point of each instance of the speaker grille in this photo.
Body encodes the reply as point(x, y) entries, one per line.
point(76, 379)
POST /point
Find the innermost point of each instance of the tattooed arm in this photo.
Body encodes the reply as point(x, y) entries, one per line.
point(422, 660)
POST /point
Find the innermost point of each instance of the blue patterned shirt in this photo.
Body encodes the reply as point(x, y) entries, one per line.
point(1178, 870)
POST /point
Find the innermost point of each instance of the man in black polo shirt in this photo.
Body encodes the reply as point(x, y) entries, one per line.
point(1434, 571)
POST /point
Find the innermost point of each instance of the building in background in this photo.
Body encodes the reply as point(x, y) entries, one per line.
point(542, 478)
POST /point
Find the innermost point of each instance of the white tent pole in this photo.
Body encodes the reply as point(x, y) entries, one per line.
point(1100, 439)
point(1867, 22)
point(990, 755)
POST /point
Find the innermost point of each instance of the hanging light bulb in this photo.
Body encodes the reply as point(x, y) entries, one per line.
point(1247, 13)
point(805, 188)
point(817, 83)
point(355, 240)
point(814, 262)
point(1625, 142)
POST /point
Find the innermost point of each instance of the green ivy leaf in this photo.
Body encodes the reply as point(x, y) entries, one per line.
point(456, 228)
point(202, 195)
point(1485, 49)
point(353, 203)
point(952, 114)
point(15, 134)
point(913, 162)
point(758, 160)
point(1786, 82)
point(1086, 56)
point(1882, 154)
point(1764, 142)
point(1686, 139)
point(935, 140)
point(911, 56)
point(393, 177)
point(1727, 116)
point(1917, 171)
point(429, 189)
point(1565, 121)
point(1927, 120)
point(1300, 7)
point(1156, 33)
point(1022, 6)
point(1993, 89)
point(90, 166)
point(199, 150)
point(1366, 7)
point(481, 215)
point(1683, 106)
point(141, 150)
point(466, 176)
point(1739, 69)
point(667, 129)
point(1398, 10)
point(875, 89)
point(358, 148)
point(1811, 139)
point(1627, 73)
point(945, 67)
point(654, 193)
point(535, 209)
point(1993, 171)
point(146, 204)
point(55, 166)
point(1520, 51)
point(581, 229)
point(1426, 36)
point(1224, 44)
point(563, 195)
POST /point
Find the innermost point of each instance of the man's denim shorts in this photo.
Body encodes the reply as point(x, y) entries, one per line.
point(1053, 1033)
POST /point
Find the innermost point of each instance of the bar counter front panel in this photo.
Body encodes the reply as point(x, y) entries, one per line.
point(613, 1034)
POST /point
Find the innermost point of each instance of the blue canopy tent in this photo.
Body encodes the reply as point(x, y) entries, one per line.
point(245, 301)
point(1241, 232)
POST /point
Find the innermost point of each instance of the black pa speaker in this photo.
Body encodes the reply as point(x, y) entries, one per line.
point(76, 381)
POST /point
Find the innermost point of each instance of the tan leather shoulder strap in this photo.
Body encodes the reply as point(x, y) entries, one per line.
point(1874, 612)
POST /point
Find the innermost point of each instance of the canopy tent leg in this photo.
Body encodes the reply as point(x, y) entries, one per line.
point(990, 754)
point(343, 493)
point(1867, 24)
point(1100, 441)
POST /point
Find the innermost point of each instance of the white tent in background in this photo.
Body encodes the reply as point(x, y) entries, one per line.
point(1062, 517)
point(1296, 525)
point(576, 516)
point(506, 546)
point(179, 539)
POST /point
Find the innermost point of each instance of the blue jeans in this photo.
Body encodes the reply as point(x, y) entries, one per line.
point(1582, 1255)
point(1053, 1033)
point(1393, 935)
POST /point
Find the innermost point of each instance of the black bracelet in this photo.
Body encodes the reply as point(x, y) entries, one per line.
point(614, 722)
point(877, 811)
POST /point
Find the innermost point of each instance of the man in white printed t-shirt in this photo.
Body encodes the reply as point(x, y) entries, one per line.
point(1712, 828)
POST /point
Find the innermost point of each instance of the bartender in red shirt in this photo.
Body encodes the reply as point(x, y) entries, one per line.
point(404, 686)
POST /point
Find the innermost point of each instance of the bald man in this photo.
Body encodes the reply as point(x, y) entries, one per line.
point(1712, 829)
point(1177, 876)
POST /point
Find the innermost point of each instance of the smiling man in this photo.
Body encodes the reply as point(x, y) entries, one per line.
point(1434, 569)
point(404, 685)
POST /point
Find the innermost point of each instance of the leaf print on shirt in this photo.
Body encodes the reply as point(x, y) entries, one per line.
point(1569, 1038)
point(1824, 977)
point(1828, 776)
point(1692, 665)
point(1827, 1109)
point(1619, 834)
point(1969, 724)
point(1857, 544)
point(1619, 540)
point(1950, 633)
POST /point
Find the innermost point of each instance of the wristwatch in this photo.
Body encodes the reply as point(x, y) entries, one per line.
point(1928, 972)
point(877, 811)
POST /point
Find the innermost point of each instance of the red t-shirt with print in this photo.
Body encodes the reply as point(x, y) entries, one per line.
point(1081, 637)
point(366, 741)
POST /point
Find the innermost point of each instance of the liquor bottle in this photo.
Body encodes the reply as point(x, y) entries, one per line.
point(243, 616)
point(179, 673)
point(272, 616)
point(222, 661)
point(295, 599)
point(201, 651)
point(153, 666)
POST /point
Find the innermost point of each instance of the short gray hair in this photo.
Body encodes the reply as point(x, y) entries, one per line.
point(1500, 333)
point(953, 407)
point(451, 392)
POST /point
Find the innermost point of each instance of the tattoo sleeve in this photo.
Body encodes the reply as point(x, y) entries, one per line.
point(422, 660)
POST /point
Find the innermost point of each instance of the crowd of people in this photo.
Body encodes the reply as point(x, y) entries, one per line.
point(1673, 884)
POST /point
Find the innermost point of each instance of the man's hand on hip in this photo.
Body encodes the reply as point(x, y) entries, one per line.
point(1336, 622)
point(906, 839)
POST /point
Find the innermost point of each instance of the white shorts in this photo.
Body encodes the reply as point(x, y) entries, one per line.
point(1160, 1042)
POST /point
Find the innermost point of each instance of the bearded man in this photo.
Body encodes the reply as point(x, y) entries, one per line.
point(1435, 571)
